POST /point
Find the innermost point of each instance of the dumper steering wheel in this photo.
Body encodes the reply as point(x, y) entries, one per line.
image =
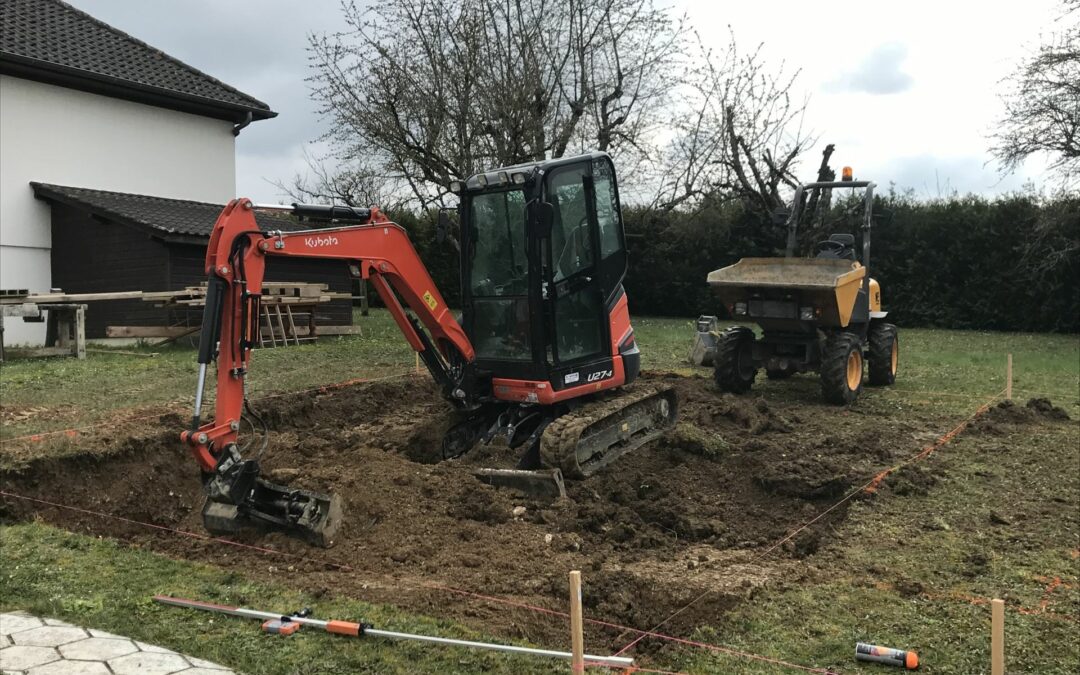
point(830, 246)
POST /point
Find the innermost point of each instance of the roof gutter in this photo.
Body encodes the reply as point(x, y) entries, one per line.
point(98, 83)
point(237, 128)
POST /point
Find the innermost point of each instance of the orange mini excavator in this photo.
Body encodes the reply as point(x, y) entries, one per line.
point(544, 340)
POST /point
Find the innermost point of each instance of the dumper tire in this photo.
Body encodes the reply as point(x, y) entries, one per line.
point(733, 365)
point(842, 368)
point(884, 353)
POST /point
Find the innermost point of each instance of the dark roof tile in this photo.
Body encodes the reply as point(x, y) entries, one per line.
point(175, 217)
point(53, 36)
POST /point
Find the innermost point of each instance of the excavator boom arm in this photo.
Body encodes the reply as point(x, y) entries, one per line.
point(378, 250)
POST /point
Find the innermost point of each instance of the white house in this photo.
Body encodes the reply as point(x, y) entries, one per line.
point(84, 104)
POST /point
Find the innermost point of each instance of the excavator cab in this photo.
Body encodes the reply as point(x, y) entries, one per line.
point(543, 257)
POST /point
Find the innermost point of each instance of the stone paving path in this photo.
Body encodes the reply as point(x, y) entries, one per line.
point(33, 646)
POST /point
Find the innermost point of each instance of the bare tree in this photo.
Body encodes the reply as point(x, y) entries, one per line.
point(741, 134)
point(426, 91)
point(1042, 104)
point(356, 184)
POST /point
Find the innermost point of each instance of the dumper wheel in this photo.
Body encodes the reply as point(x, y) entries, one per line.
point(734, 368)
point(884, 350)
point(842, 368)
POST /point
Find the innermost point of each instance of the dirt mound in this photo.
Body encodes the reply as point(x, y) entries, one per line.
point(692, 508)
point(1008, 413)
point(1044, 408)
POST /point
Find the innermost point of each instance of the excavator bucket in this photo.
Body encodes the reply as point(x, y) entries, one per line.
point(238, 500)
point(310, 516)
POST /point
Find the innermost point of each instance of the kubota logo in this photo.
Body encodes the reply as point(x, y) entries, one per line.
point(316, 242)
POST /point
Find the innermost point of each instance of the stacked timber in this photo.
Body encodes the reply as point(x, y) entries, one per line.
point(286, 312)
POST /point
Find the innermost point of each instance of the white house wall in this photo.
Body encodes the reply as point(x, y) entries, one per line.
point(56, 135)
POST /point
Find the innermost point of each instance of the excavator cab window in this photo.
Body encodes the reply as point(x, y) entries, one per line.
point(578, 307)
point(498, 276)
point(542, 265)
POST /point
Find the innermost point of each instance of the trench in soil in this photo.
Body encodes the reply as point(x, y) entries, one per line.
point(687, 513)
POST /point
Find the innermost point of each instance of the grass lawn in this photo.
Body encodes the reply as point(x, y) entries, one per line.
point(993, 514)
point(101, 584)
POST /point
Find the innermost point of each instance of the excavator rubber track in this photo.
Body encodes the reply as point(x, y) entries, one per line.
point(585, 440)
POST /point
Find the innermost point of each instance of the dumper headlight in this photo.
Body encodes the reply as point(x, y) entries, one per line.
point(740, 309)
point(806, 314)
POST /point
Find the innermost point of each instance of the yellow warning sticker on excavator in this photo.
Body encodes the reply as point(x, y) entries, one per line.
point(430, 300)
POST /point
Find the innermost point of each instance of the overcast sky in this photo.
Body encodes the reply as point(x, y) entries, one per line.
point(906, 90)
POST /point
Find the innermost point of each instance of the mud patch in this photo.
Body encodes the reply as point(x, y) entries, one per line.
point(1002, 417)
point(687, 513)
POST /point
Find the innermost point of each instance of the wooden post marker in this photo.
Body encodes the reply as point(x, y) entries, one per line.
point(997, 637)
point(577, 639)
point(1008, 377)
point(418, 362)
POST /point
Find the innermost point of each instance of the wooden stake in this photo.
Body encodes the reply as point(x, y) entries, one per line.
point(418, 362)
point(1008, 377)
point(997, 637)
point(577, 639)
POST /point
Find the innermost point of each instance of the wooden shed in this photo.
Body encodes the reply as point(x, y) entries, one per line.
point(115, 241)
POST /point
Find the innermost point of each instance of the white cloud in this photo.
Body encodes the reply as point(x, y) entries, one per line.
point(940, 62)
point(879, 72)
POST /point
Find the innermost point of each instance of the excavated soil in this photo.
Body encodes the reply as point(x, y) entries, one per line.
point(690, 512)
point(1001, 418)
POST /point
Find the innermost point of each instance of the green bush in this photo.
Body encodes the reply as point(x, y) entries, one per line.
point(1007, 263)
point(1010, 262)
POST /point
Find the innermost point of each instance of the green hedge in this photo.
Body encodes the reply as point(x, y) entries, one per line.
point(1005, 263)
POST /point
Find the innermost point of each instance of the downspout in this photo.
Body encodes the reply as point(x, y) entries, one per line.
point(237, 128)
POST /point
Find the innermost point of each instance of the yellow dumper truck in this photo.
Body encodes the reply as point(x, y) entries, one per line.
point(820, 314)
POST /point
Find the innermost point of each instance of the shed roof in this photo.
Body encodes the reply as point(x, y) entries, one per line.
point(52, 41)
point(168, 218)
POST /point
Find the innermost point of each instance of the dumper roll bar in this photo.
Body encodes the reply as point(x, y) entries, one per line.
point(797, 208)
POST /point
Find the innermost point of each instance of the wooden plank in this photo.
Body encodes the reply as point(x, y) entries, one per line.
point(295, 284)
point(269, 325)
point(42, 298)
point(41, 351)
point(281, 325)
point(121, 352)
point(155, 296)
point(148, 331)
point(329, 331)
point(265, 300)
point(292, 325)
point(22, 309)
point(173, 332)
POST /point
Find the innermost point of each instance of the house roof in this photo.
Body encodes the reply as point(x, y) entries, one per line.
point(51, 41)
point(170, 219)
